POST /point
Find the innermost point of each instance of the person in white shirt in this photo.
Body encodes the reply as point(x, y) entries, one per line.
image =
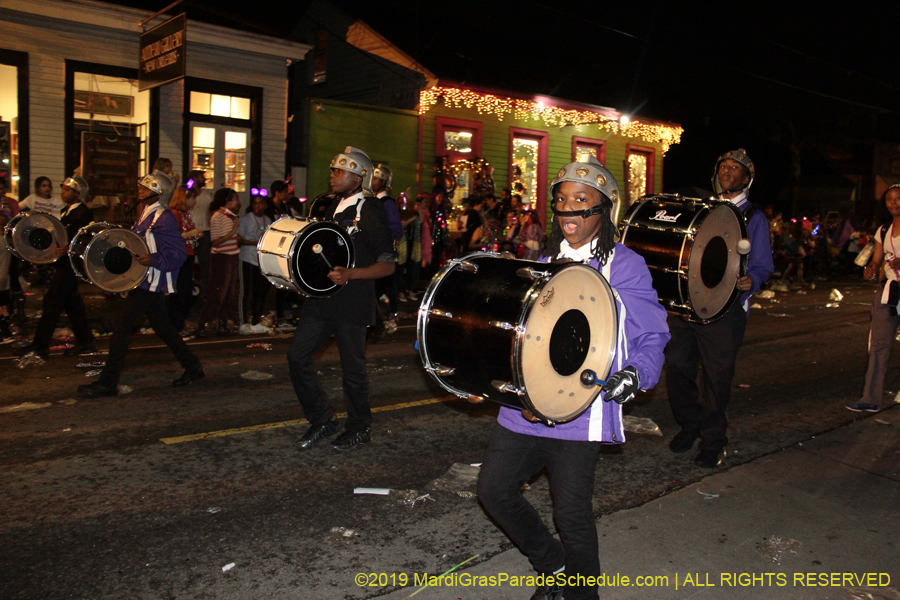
point(42, 199)
point(253, 284)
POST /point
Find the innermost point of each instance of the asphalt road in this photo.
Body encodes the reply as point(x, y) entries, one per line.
point(161, 493)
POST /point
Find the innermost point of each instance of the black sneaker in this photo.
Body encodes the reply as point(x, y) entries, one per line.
point(32, 349)
point(549, 592)
point(710, 459)
point(190, 376)
point(97, 390)
point(683, 441)
point(351, 439)
point(317, 433)
point(80, 349)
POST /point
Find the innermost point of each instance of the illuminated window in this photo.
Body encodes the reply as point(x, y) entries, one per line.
point(640, 174)
point(525, 169)
point(218, 105)
point(457, 141)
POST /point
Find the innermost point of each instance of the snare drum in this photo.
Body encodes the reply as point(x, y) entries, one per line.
point(288, 255)
point(690, 247)
point(519, 333)
point(35, 236)
point(104, 254)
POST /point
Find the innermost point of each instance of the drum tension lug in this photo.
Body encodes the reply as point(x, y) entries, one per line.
point(441, 370)
point(506, 386)
point(440, 313)
point(502, 325)
point(529, 273)
point(529, 416)
point(467, 267)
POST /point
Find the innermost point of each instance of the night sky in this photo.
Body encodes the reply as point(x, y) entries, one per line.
point(796, 86)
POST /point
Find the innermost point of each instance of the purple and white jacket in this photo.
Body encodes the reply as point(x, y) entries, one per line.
point(643, 335)
point(160, 229)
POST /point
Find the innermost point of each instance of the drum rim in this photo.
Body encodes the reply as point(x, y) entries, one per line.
point(518, 346)
point(86, 277)
point(425, 306)
point(9, 232)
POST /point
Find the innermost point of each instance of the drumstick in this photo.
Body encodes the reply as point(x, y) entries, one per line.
point(317, 248)
point(121, 244)
point(743, 247)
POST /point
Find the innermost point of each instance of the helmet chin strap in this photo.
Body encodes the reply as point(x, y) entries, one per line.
point(588, 212)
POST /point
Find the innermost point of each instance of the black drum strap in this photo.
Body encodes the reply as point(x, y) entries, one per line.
point(751, 210)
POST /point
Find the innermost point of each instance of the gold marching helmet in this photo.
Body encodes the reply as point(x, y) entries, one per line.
point(79, 185)
point(588, 170)
point(384, 173)
point(357, 162)
point(740, 155)
point(160, 184)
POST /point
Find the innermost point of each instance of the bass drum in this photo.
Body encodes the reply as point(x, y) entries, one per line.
point(35, 236)
point(104, 254)
point(519, 333)
point(297, 254)
point(691, 248)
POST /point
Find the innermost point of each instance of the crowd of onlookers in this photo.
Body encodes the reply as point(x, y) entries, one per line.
point(808, 247)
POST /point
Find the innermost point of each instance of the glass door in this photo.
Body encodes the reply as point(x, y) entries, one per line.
point(223, 153)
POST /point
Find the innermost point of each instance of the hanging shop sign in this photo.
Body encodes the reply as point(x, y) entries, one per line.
point(163, 51)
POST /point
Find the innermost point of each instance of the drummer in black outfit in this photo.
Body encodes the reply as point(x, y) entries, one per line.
point(62, 293)
point(348, 312)
point(715, 345)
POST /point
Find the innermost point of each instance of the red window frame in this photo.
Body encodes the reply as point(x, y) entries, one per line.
point(584, 141)
point(442, 124)
point(543, 139)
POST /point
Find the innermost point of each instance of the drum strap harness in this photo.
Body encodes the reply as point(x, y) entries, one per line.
point(154, 274)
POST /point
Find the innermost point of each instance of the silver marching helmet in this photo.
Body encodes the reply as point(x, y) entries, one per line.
point(357, 162)
point(739, 155)
point(588, 170)
point(79, 185)
point(160, 184)
point(384, 173)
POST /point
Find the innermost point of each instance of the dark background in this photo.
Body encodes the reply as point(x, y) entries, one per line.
point(806, 88)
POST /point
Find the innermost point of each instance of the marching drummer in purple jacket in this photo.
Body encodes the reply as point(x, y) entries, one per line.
point(716, 344)
point(160, 230)
point(585, 199)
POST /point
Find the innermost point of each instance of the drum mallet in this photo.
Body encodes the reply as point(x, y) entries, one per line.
point(590, 378)
point(743, 247)
point(122, 244)
point(317, 248)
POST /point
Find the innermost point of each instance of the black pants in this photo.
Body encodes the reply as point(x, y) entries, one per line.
point(138, 303)
point(180, 301)
point(254, 289)
point(62, 295)
point(514, 458)
point(312, 333)
point(715, 346)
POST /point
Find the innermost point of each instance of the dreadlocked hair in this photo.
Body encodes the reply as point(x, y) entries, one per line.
point(605, 235)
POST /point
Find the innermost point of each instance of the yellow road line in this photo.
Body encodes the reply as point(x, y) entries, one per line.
point(224, 432)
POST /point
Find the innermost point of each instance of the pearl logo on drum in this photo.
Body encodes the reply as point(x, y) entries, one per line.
point(547, 298)
point(662, 215)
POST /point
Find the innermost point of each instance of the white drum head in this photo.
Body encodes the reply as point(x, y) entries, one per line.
point(571, 325)
point(35, 236)
point(714, 266)
point(110, 260)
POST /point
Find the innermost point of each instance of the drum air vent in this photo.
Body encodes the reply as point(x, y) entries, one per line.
point(714, 262)
point(570, 342)
point(40, 239)
point(117, 260)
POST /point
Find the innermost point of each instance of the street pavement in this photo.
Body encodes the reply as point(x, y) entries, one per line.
point(816, 520)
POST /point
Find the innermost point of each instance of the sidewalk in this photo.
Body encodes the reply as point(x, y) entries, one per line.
point(830, 505)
